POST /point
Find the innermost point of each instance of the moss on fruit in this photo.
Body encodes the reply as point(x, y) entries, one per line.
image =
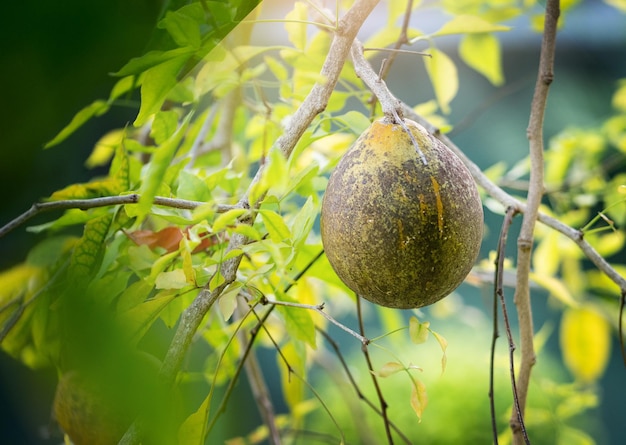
point(399, 231)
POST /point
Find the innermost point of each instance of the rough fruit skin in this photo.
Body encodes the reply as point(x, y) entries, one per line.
point(397, 231)
point(86, 415)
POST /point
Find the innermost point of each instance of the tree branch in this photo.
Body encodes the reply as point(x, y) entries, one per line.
point(106, 201)
point(313, 104)
point(535, 194)
point(498, 296)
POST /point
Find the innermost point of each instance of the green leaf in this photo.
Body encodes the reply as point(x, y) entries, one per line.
point(182, 27)
point(356, 121)
point(140, 318)
point(228, 300)
point(299, 322)
point(173, 279)
point(443, 76)
point(295, 26)
point(89, 249)
point(157, 169)
point(193, 429)
point(135, 294)
point(293, 387)
point(228, 218)
point(191, 187)
point(585, 339)
point(163, 126)
point(275, 225)
point(70, 218)
point(468, 24)
point(96, 108)
point(104, 149)
point(275, 176)
point(303, 222)
point(481, 52)
point(157, 83)
point(151, 59)
point(418, 331)
point(121, 87)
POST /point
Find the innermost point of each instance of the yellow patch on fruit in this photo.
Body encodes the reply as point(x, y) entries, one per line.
point(402, 220)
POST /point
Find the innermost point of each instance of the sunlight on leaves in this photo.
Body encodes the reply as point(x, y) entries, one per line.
point(556, 288)
point(174, 279)
point(443, 76)
point(193, 429)
point(585, 339)
point(468, 24)
point(481, 52)
point(161, 161)
point(104, 149)
point(293, 387)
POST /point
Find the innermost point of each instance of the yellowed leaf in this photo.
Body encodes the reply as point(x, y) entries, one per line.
point(389, 369)
point(419, 398)
point(443, 344)
point(443, 76)
point(293, 386)
point(585, 341)
point(547, 256)
point(295, 26)
point(418, 331)
point(482, 52)
point(555, 287)
point(468, 24)
point(174, 279)
point(104, 149)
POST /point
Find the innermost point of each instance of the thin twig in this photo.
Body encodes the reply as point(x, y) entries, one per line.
point(620, 328)
point(235, 378)
point(403, 39)
point(194, 151)
point(370, 367)
point(106, 201)
point(498, 296)
point(395, 50)
point(293, 372)
point(319, 308)
point(259, 387)
point(389, 104)
point(354, 384)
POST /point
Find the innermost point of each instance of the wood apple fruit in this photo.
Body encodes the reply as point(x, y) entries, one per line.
point(401, 224)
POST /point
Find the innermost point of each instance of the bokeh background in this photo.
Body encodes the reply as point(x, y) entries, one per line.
point(56, 57)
